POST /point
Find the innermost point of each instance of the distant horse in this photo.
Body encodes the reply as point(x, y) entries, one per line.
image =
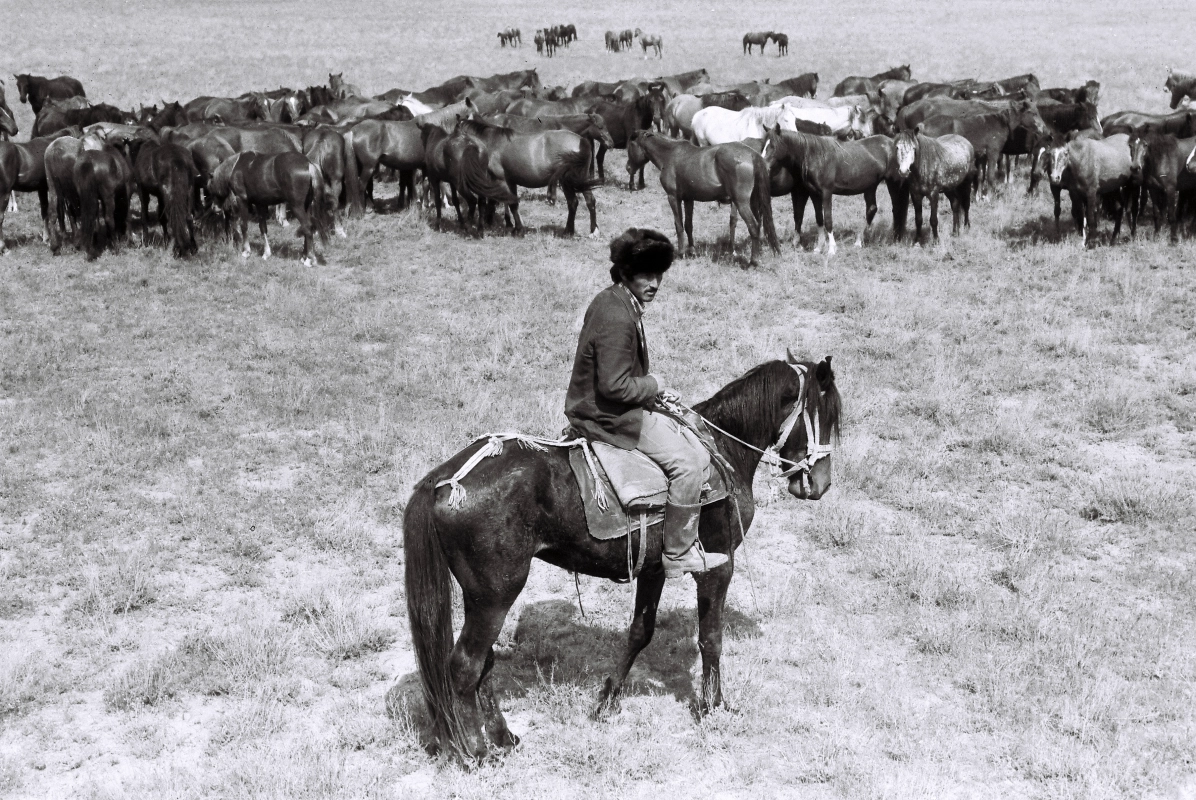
point(782, 41)
point(612, 42)
point(626, 39)
point(168, 172)
point(249, 181)
point(510, 37)
point(823, 167)
point(521, 503)
point(36, 90)
point(757, 39)
point(945, 164)
point(723, 173)
point(1157, 161)
point(1100, 170)
point(653, 40)
point(23, 169)
point(538, 160)
point(340, 89)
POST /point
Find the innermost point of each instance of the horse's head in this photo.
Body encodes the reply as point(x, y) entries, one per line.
point(23, 87)
point(637, 154)
point(905, 150)
point(1026, 116)
point(1138, 150)
point(1092, 92)
point(598, 128)
point(1060, 158)
point(805, 437)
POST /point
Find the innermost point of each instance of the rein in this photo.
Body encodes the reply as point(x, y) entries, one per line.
point(815, 451)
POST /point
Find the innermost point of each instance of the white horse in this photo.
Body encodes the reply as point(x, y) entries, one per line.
point(415, 106)
point(716, 125)
point(861, 100)
point(839, 120)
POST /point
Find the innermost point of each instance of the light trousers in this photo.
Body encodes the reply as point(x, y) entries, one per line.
point(679, 453)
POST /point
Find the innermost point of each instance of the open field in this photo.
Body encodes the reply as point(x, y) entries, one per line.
point(203, 464)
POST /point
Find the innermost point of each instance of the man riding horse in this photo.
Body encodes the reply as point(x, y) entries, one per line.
point(612, 398)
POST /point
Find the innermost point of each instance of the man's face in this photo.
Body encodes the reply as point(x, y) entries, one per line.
point(644, 286)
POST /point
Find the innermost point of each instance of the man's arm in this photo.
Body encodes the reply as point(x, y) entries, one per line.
point(615, 353)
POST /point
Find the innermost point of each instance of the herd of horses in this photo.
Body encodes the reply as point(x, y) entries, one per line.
point(619, 41)
point(315, 154)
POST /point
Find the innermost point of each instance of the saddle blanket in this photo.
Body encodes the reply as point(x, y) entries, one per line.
point(634, 488)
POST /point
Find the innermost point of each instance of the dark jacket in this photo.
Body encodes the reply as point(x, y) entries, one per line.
point(610, 383)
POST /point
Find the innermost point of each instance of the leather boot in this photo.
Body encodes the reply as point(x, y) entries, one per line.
point(682, 552)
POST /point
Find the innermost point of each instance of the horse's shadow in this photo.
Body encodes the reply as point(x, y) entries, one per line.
point(1033, 230)
point(551, 645)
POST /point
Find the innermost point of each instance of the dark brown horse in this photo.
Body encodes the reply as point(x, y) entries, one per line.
point(755, 39)
point(720, 173)
point(1180, 123)
point(1088, 93)
point(1180, 85)
point(23, 169)
point(36, 90)
point(59, 159)
point(1157, 161)
point(104, 182)
point(857, 84)
point(823, 167)
point(54, 117)
point(537, 160)
point(168, 172)
point(523, 503)
point(249, 181)
point(397, 145)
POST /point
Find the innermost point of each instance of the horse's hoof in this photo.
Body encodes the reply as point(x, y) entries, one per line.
point(307, 262)
point(341, 232)
point(594, 234)
point(245, 255)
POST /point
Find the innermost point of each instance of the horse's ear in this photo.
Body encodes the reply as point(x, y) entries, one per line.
point(918, 129)
point(789, 357)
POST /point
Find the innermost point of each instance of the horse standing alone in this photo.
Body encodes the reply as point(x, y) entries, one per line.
point(523, 503)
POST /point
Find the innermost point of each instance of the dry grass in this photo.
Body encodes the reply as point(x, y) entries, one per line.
point(203, 464)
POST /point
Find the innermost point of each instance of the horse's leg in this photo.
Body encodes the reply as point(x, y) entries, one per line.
point(5, 196)
point(917, 201)
point(263, 215)
point(953, 198)
point(642, 168)
point(827, 201)
point(571, 203)
point(600, 158)
point(712, 598)
point(1171, 203)
point(492, 716)
point(144, 194)
point(467, 668)
point(1092, 218)
point(869, 215)
point(799, 214)
point(243, 225)
point(689, 226)
point(755, 226)
point(816, 200)
point(592, 207)
point(731, 235)
point(1057, 192)
point(303, 216)
point(934, 215)
point(43, 198)
point(678, 222)
point(643, 624)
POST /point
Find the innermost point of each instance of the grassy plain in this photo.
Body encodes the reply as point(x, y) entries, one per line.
point(204, 463)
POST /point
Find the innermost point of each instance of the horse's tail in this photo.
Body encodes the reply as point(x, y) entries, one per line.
point(92, 227)
point(178, 209)
point(762, 198)
point(428, 586)
point(475, 177)
point(353, 195)
point(321, 215)
point(573, 170)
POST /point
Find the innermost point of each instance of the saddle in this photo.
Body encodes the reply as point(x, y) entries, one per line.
point(624, 491)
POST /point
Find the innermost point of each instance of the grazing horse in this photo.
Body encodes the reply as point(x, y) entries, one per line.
point(253, 181)
point(1100, 170)
point(823, 167)
point(537, 160)
point(944, 164)
point(542, 516)
point(1180, 85)
point(727, 172)
point(63, 197)
point(36, 90)
point(1157, 162)
point(168, 172)
point(104, 181)
point(23, 169)
point(782, 41)
point(757, 39)
point(626, 39)
point(653, 40)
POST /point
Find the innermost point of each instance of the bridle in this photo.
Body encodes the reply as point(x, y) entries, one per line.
point(815, 451)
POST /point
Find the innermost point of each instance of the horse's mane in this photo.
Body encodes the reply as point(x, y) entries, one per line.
point(1182, 80)
point(756, 399)
point(480, 127)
